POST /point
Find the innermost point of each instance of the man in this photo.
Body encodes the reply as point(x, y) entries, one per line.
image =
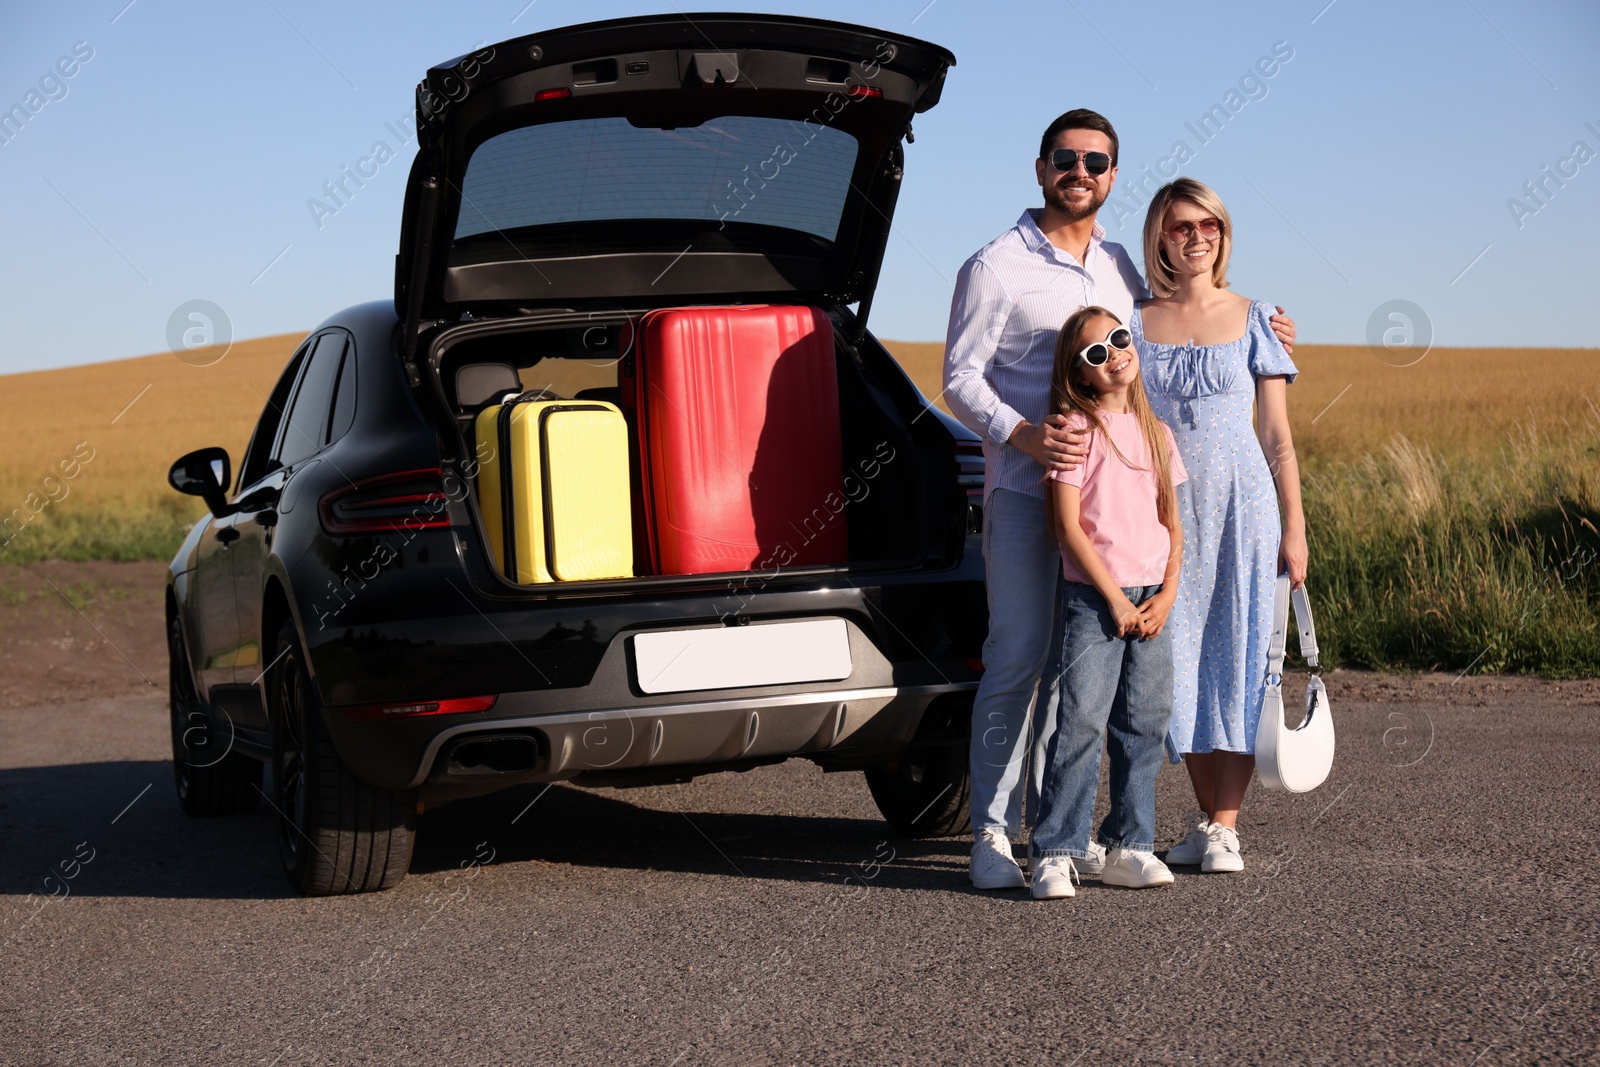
point(1011, 298)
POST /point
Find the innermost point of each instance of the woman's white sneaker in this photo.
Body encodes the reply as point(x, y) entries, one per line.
point(1222, 851)
point(1053, 877)
point(1192, 849)
point(992, 865)
point(1095, 862)
point(1135, 870)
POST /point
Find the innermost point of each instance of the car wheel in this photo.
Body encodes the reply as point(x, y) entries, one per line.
point(336, 833)
point(210, 777)
point(923, 792)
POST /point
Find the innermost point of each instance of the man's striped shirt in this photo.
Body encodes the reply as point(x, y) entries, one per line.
point(1010, 301)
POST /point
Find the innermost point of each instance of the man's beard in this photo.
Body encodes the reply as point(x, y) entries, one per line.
point(1056, 197)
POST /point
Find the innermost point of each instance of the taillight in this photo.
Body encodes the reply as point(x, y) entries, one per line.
point(388, 503)
point(969, 466)
point(969, 476)
point(864, 91)
point(381, 712)
point(551, 94)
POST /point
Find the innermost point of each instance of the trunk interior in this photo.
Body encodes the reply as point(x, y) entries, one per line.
point(897, 490)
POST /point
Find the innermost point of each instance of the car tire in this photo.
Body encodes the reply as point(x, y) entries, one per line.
point(211, 779)
point(924, 792)
point(336, 833)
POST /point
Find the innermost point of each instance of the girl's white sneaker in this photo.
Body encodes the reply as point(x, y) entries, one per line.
point(1053, 877)
point(1192, 849)
point(1222, 851)
point(1135, 870)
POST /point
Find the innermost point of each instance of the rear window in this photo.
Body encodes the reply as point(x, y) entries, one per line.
point(763, 171)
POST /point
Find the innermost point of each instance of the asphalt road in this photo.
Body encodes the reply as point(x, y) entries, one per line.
point(1435, 902)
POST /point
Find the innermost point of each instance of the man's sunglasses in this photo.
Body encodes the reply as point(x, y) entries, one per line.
point(1096, 354)
point(1066, 161)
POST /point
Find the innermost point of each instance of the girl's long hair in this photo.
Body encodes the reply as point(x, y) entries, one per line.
point(1070, 394)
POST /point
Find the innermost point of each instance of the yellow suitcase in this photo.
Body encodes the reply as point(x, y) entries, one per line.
point(555, 495)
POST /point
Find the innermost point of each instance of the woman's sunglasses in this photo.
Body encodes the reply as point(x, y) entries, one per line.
point(1096, 354)
point(1183, 232)
point(1066, 161)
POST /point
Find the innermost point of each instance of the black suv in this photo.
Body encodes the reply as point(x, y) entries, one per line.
point(339, 617)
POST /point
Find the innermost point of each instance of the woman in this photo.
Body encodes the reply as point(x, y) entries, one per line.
point(1209, 357)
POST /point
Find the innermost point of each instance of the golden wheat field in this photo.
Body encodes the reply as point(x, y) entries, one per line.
point(137, 415)
point(1452, 506)
point(1347, 401)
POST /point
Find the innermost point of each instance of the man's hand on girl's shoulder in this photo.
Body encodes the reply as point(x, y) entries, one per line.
point(1053, 446)
point(1064, 447)
point(1283, 326)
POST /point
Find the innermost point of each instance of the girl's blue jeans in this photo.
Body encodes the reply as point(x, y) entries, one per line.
point(1116, 688)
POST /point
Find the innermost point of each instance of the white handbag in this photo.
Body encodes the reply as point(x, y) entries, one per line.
point(1296, 760)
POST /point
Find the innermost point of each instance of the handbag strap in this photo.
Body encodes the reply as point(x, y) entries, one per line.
point(1282, 596)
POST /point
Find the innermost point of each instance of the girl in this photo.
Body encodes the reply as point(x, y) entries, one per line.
point(1116, 518)
point(1211, 357)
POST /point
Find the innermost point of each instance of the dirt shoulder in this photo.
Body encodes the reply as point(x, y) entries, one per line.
point(76, 631)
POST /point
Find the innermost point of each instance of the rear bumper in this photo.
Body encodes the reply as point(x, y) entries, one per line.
point(614, 744)
point(563, 671)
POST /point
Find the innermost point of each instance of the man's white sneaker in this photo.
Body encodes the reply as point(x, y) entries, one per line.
point(1222, 851)
point(1096, 861)
point(992, 865)
point(1192, 849)
point(1053, 877)
point(1135, 870)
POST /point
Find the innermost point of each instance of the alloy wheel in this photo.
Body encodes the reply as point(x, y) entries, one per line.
point(289, 758)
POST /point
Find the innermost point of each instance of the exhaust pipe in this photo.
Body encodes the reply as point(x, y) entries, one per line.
point(493, 754)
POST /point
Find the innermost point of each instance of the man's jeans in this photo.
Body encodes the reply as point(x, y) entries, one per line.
point(1023, 574)
point(1120, 681)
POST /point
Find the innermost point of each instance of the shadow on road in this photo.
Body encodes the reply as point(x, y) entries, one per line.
point(125, 815)
point(582, 828)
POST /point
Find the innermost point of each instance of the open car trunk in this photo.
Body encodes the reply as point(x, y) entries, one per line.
point(574, 186)
point(689, 158)
point(889, 499)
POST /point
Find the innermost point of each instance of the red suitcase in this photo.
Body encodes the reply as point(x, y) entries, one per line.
point(740, 448)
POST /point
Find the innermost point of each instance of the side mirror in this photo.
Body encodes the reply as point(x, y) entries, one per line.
point(204, 473)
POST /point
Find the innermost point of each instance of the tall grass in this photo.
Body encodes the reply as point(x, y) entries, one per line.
point(149, 529)
point(1466, 563)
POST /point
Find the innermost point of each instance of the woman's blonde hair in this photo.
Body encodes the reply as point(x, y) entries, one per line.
point(1070, 393)
point(1157, 267)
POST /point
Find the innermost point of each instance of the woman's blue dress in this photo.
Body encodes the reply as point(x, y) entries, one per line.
point(1222, 619)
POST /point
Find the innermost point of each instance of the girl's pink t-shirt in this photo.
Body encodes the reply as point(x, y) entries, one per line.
point(1117, 503)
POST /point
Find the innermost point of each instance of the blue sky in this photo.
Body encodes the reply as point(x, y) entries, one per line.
point(1379, 162)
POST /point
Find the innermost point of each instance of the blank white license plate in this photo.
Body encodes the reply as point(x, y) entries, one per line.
point(725, 657)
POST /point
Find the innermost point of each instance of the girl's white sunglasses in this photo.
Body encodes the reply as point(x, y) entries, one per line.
point(1096, 354)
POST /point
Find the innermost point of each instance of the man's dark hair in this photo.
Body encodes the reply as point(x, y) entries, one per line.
point(1078, 119)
